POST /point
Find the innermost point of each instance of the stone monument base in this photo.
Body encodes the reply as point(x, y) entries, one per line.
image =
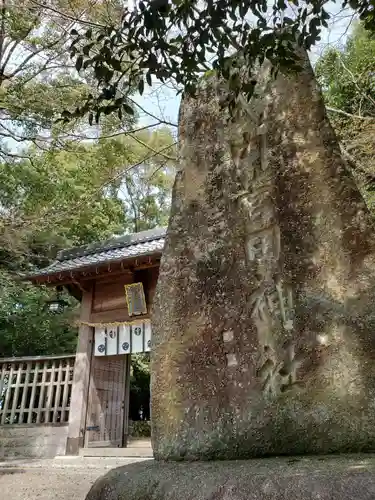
point(343, 477)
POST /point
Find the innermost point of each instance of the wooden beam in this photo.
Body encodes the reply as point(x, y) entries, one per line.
point(126, 401)
point(15, 394)
point(42, 393)
point(81, 377)
point(25, 392)
point(67, 384)
point(5, 406)
point(104, 273)
point(33, 393)
point(25, 359)
point(58, 391)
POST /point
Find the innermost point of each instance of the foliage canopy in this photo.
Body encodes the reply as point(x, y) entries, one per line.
point(182, 39)
point(347, 78)
point(66, 198)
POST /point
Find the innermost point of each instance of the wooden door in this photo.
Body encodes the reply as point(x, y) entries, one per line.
point(106, 403)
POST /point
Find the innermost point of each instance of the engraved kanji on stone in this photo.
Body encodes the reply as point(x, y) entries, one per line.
point(280, 304)
point(278, 373)
point(259, 304)
point(264, 242)
point(257, 198)
point(277, 303)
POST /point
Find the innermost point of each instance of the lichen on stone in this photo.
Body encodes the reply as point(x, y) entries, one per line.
point(268, 239)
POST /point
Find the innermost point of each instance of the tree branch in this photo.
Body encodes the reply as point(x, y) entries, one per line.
point(152, 116)
point(15, 45)
point(172, 158)
point(349, 115)
point(7, 154)
point(115, 134)
point(156, 171)
point(369, 178)
point(2, 28)
point(366, 96)
point(24, 138)
point(23, 64)
point(45, 67)
point(135, 218)
point(9, 55)
point(67, 16)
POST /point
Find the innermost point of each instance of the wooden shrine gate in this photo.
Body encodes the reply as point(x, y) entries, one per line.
point(115, 281)
point(106, 423)
point(108, 396)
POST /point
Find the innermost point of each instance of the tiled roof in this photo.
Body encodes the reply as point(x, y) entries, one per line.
point(117, 249)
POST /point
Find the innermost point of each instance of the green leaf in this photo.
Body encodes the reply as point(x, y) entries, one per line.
point(141, 86)
point(116, 64)
point(86, 49)
point(325, 15)
point(152, 61)
point(79, 63)
point(288, 21)
point(128, 109)
point(148, 78)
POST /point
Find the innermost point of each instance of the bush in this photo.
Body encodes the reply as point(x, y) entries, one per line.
point(140, 428)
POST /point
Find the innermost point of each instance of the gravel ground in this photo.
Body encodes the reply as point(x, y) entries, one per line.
point(68, 479)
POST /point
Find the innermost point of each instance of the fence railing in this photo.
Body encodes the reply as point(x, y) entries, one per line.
point(35, 390)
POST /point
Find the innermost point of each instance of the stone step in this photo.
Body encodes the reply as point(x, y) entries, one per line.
point(128, 452)
point(139, 443)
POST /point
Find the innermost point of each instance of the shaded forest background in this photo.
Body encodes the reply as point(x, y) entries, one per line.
point(67, 183)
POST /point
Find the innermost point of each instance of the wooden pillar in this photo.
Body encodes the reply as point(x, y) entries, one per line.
point(81, 379)
point(126, 401)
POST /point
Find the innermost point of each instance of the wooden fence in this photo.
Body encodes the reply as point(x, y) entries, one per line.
point(35, 390)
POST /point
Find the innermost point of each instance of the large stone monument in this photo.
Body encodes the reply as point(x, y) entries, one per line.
point(263, 324)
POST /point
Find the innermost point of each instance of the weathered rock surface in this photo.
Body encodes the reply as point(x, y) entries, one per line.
point(266, 479)
point(263, 324)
